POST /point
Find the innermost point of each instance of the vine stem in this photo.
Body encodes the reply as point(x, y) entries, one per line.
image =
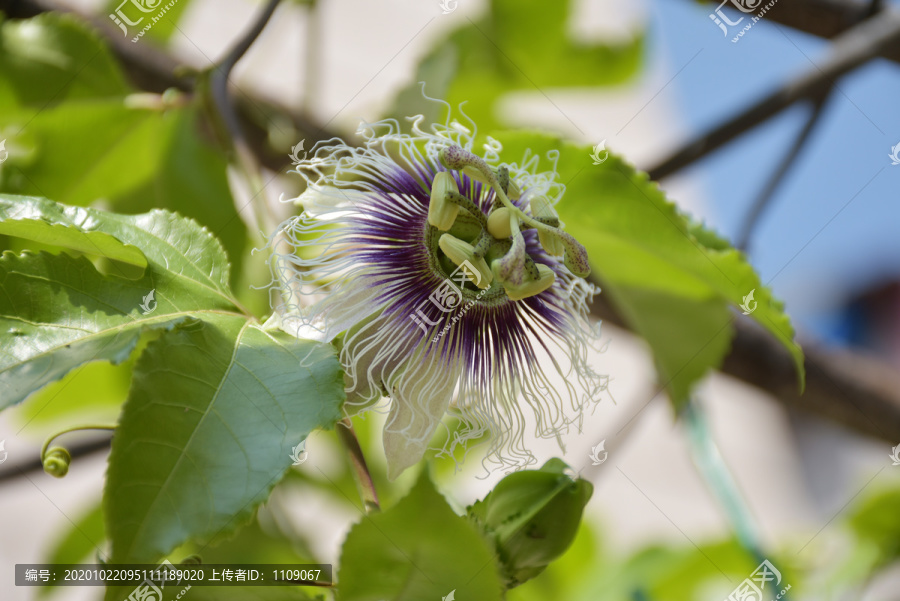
point(74, 429)
point(244, 156)
point(363, 477)
point(716, 474)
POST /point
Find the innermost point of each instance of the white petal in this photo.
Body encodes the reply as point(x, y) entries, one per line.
point(419, 401)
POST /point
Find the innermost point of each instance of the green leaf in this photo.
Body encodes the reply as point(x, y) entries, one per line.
point(73, 137)
point(161, 30)
point(876, 520)
point(133, 160)
point(58, 312)
point(190, 177)
point(418, 549)
point(83, 542)
point(85, 539)
point(521, 45)
point(168, 241)
point(83, 151)
point(70, 237)
point(673, 281)
point(214, 410)
point(53, 58)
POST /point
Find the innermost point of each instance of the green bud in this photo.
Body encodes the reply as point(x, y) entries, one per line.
point(56, 462)
point(441, 212)
point(532, 517)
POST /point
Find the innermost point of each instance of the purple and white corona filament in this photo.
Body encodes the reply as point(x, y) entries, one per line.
point(447, 283)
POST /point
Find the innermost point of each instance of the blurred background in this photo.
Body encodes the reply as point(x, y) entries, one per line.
point(781, 141)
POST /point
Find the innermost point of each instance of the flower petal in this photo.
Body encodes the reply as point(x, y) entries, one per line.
point(419, 401)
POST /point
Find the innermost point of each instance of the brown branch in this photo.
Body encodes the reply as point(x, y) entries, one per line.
point(823, 18)
point(850, 388)
point(851, 49)
point(367, 491)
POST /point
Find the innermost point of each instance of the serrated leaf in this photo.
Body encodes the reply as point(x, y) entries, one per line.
point(673, 281)
point(418, 549)
point(207, 431)
point(169, 242)
point(58, 312)
point(133, 160)
point(518, 46)
point(72, 238)
point(72, 137)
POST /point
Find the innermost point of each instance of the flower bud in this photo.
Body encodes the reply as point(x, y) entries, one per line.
point(498, 223)
point(56, 462)
point(442, 212)
point(532, 517)
point(463, 254)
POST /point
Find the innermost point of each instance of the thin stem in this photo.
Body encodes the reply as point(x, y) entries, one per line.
point(363, 477)
point(313, 56)
point(768, 191)
point(245, 157)
point(13, 472)
point(852, 48)
point(46, 446)
point(718, 477)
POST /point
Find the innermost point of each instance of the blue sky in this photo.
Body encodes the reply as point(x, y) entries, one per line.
point(812, 268)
